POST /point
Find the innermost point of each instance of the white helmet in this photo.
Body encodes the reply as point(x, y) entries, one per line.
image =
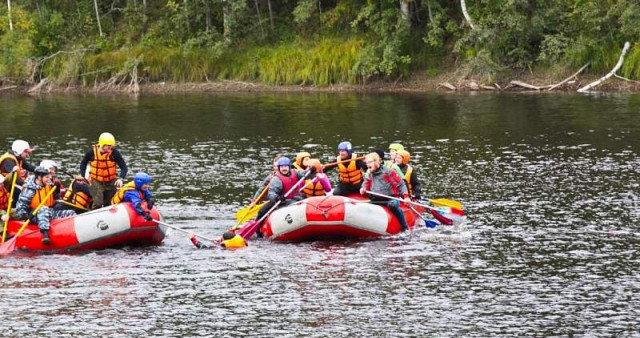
point(19, 146)
point(48, 164)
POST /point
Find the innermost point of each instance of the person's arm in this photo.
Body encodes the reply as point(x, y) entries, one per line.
point(401, 187)
point(324, 180)
point(275, 190)
point(24, 202)
point(8, 165)
point(136, 202)
point(121, 163)
point(88, 157)
point(28, 166)
point(265, 183)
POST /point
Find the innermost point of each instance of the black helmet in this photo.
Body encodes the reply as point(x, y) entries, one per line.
point(40, 171)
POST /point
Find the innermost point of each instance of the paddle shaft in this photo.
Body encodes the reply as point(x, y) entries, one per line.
point(35, 211)
point(287, 195)
point(433, 210)
point(333, 164)
point(401, 200)
point(6, 223)
point(183, 230)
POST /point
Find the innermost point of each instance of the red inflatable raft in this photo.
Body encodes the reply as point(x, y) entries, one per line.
point(112, 226)
point(334, 217)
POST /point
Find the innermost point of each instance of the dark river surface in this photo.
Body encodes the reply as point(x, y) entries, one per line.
point(549, 183)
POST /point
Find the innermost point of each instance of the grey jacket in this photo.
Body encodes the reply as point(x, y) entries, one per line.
point(385, 181)
point(276, 186)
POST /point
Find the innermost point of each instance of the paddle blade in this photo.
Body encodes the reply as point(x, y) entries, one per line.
point(447, 203)
point(8, 246)
point(247, 213)
point(248, 229)
point(441, 218)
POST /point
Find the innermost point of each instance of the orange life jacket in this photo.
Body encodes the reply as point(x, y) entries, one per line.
point(103, 167)
point(313, 189)
point(349, 174)
point(119, 196)
point(77, 198)
point(40, 195)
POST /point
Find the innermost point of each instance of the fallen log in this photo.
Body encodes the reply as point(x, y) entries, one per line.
point(37, 88)
point(528, 86)
point(569, 78)
point(447, 85)
point(8, 88)
point(615, 69)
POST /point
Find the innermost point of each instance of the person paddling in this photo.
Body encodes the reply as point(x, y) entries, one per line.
point(385, 181)
point(102, 159)
point(35, 189)
point(137, 192)
point(318, 185)
point(350, 173)
point(267, 180)
point(17, 156)
point(409, 174)
point(284, 179)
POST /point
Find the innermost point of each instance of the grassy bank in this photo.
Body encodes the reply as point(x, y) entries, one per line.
point(323, 62)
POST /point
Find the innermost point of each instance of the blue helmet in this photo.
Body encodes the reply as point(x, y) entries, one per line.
point(284, 162)
point(140, 179)
point(346, 145)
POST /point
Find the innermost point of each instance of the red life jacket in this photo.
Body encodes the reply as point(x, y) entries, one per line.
point(287, 183)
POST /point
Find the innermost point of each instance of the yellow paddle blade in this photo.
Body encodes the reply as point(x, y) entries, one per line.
point(443, 202)
point(247, 213)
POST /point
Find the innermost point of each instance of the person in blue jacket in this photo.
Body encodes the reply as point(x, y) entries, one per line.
point(136, 192)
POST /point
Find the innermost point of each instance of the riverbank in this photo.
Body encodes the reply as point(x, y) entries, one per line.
point(446, 82)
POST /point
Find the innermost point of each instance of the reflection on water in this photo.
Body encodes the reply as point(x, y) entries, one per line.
point(549, 183)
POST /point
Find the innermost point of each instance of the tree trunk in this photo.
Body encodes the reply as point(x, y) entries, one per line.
point(144, 6)
point(270, 13)
point(9, 10)
point(208, 16)
point(226, 24)
point(466, 14)
point(404, 9)
point(259, 17)
point(95, 5)
point(613, 72)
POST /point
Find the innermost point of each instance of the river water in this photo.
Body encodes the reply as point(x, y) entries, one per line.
point(549, 183)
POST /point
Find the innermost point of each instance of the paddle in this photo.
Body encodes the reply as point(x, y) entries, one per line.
point(6, 223)
point(250, 228)
point(433, 210)
point(330, 165)
point(250, 211)
point(447, 203)
point(183, 230)
point(10, 245)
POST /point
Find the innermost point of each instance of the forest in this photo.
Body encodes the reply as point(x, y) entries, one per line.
point(103, 43)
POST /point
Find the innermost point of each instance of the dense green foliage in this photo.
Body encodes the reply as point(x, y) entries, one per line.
point(308, 42)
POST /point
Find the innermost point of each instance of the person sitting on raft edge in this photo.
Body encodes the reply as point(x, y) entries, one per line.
point(229, 241)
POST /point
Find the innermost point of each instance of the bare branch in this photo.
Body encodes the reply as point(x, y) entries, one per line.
point(466, 14)
point(569, 78)
point(625, 49)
